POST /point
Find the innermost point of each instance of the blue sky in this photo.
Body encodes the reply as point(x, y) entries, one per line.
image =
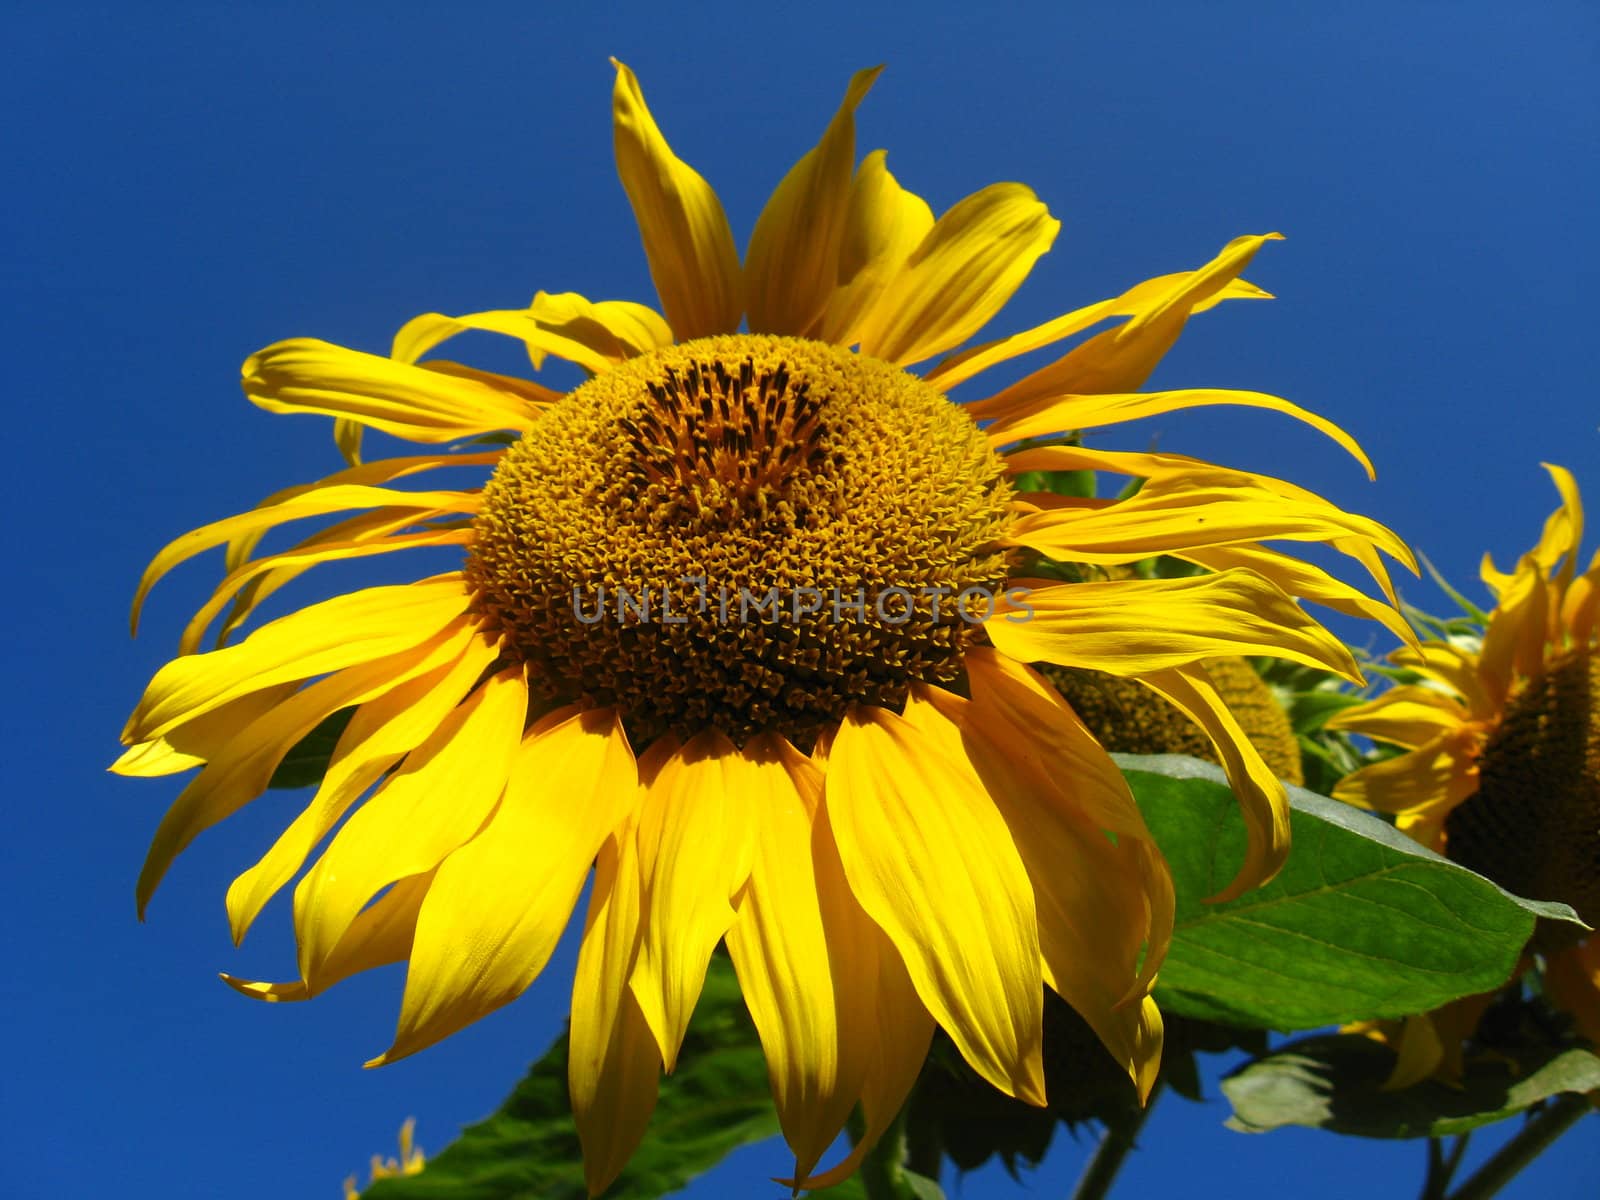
point(188, 183)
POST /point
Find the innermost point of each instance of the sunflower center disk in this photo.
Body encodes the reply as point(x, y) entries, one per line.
point(1534, 824)
point(743, 533)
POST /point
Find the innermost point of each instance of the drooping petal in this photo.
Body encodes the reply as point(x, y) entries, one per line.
point(884, 1029)
point(1062, 413)
point(1132, 627)
point(693, 260)
point(500, 903)
point(1296, 577)
point(381, 471)
point(1175, 514)
point(695, 833)
point(613, 1063)
point(594, 335)
point(1262, 799)
point(419, 403)
point(1122, 358)
point(434, 803)
point(381, 732)
point(883, 225)
point(242, 769)
point(616, 329)
point(341, 632)
point(1572, 977)
point(197, 742)
point(298, 561)
point(1099, 901)
point(785, 963)
point(791, 265)
point(422, 334)
point(380, 935)
point(930, 859)
point(298, 508)
point(976, 255)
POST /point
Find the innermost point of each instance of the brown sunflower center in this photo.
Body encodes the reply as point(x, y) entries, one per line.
point(1533, 826)
point(743, 533)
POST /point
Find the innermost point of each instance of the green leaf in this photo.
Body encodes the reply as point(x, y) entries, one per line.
point(1335, 1082)
point(716, 1101)
point(1362, 922)
point(1078, 484)
point(308, 761)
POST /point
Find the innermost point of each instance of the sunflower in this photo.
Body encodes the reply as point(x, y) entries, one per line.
point(742, 622)
point(1500, 768)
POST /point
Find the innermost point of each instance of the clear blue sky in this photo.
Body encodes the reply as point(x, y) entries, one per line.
point(185, 183)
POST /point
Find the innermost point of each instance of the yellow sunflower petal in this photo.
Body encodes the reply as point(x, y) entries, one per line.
point(1134, 626)
point(693, 260)
point(413, 402)
point(242, 769)
point(500, 903)
point(1563, 532)
point(1059, 414)
point(930, 859)
point(883, 225)
point(299, 561)
point(1122, 358)
point(433, 804)
point(1098, 900)
point(1514, 643)
point(1261, 795)
point(695, 832)
point(341, 632)
point(884, 1029)
point(959, 368)
point(787, 968)
point(1453, 666)
point(198, 741)
point(792, 263)
point(615, 329)
point(309, 504)
point(422, 334)
point(1296, 577)
point(381, 732)
point(613, 1064)
point(154, 758)
point(1423, 783)
point(1176, 514)
point(1572, 976)
point(1418, 1054)
point(976, 255)
point(380, 935)
point(381, 471)
point(1409, 716)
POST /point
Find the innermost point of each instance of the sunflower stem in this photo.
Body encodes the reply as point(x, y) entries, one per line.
point(1442, 1166)
point(1097, 1178)
point(1534, 1139)
point(882, 1172)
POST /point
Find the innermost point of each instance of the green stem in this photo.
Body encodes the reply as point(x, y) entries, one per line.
point(881, 1171)
point(1097, 1178)
point(1442, 1166)
point(1533, 1140)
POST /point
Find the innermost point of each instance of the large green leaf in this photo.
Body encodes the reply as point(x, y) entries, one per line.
point(716, 1101)
point(1361, 923)
point(1335, 1082)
